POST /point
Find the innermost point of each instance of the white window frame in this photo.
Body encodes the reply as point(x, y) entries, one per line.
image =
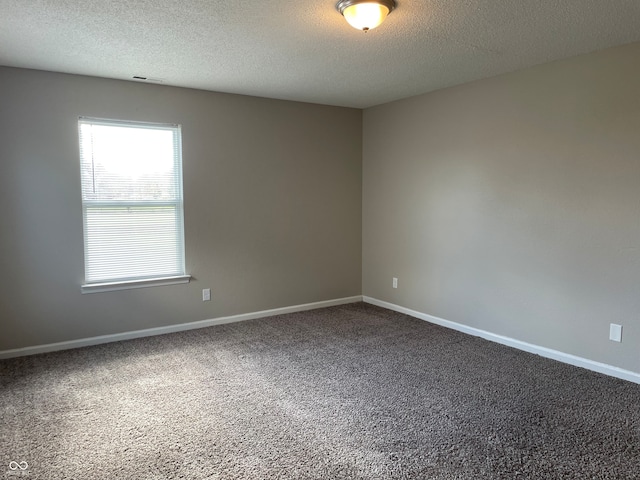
point(137, 281)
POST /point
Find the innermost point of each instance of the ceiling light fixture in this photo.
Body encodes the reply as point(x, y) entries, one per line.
point(365, 14)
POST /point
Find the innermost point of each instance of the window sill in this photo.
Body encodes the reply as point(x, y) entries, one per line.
point(128, 285)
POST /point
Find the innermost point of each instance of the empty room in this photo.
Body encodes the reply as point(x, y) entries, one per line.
point(309, 239)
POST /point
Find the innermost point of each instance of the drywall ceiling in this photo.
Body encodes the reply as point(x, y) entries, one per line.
point(303, 49)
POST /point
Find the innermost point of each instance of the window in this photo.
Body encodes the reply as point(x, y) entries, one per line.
point(132, 204)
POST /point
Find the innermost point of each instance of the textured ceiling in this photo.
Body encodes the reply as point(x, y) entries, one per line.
point(303, 49)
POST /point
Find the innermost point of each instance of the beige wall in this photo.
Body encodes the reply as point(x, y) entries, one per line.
point(272, 194)
point(512, 204)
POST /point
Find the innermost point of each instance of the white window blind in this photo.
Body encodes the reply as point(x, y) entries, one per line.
point(132, 201)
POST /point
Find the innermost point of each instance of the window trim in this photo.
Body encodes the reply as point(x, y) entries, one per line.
point(131, 284)
point(140, 282)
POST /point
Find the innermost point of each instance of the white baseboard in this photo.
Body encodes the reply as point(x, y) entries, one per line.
point(511, 342)
point(85, 342)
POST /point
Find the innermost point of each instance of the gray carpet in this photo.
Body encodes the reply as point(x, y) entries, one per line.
point(349, 392)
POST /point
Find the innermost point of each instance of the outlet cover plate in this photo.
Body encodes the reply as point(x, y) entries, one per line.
point(615, 332)
point(206, 294)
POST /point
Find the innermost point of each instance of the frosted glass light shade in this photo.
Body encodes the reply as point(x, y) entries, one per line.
point(365, 14)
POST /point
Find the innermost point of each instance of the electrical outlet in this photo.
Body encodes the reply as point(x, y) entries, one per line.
point(615, 332)
point(206, 294)
point(395, 282)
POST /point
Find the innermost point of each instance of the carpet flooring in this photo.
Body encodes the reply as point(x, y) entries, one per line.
point(347, 392)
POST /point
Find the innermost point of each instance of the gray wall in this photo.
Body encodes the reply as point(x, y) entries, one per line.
point(272, 194)
point(512, 204)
